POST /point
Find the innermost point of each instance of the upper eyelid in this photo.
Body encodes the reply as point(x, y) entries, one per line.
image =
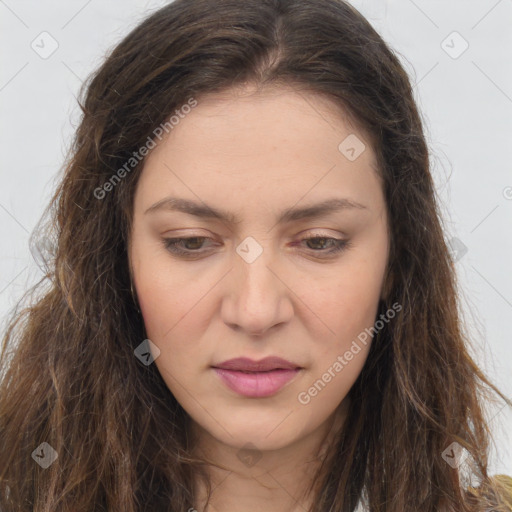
point(300, 236)
point(181, 239)
point(176, 233)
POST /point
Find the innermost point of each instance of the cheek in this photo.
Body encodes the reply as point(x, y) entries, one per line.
point(176, 313)
point(348, 307)
point(159, 305)
point(346, 299)
point(338, 359)
point(167, 297)
point(171, 317)
point(349, 302)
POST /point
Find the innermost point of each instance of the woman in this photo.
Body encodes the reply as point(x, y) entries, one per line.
point(251, 304)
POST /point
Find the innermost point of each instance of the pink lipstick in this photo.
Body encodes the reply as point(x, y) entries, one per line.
point(257, 379)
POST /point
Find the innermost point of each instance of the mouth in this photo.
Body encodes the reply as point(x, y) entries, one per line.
point(257, 384)
point(244, 364)
point(253, 372)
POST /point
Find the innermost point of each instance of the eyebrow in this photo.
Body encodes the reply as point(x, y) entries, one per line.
point(204, 211)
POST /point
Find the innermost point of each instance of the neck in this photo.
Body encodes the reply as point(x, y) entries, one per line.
point(267, 481)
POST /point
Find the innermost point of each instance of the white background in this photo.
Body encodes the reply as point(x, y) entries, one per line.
point(466, 103)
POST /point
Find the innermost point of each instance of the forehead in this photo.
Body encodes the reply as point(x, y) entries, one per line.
point(269, 145)
point(273, 110)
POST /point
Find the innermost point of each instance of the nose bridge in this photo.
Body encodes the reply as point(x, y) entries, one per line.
point(254, 279)
point(258, 296)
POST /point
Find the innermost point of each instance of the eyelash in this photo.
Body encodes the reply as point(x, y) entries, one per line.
point(171, 244)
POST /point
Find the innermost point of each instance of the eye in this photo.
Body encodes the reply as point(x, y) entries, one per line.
point(174, 245)
point(328, 245)
point(191, 246)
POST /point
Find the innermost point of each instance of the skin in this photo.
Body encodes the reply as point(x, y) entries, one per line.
point(256, 153)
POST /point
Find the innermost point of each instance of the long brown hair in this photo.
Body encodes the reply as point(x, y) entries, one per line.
point(70, 377)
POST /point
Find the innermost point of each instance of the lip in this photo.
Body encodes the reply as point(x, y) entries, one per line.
point(266, 376)
point(257, 384)
point(263, 365)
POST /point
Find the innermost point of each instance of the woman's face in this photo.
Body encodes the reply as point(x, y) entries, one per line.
point(249, 284)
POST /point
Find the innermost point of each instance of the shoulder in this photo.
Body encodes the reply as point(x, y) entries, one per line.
point(498, 489)
point(499, 485)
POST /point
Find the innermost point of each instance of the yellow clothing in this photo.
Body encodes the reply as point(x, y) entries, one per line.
point(504, 482)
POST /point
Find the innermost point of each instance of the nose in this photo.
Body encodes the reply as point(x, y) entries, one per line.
point(257, 298)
